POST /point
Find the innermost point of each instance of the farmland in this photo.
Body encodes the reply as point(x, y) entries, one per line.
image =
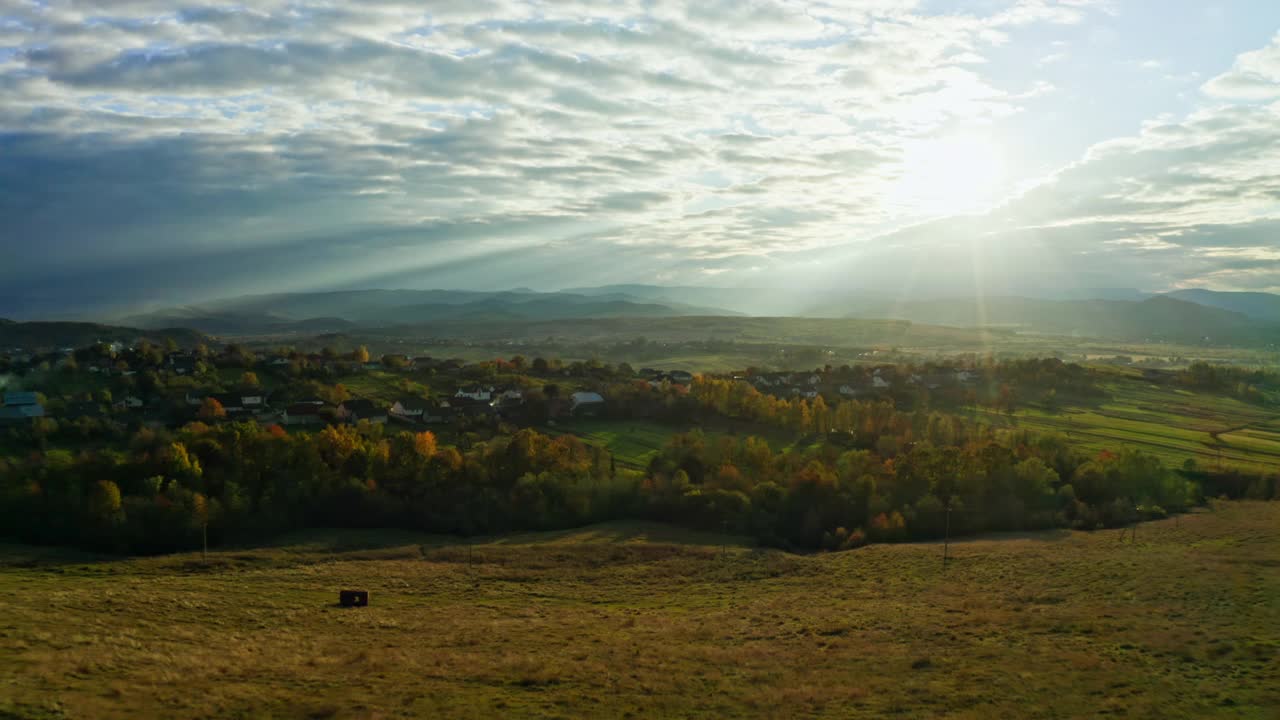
point(641, 620)
point(1172, 423)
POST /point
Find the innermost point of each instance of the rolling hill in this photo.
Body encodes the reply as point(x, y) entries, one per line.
point(40, 334)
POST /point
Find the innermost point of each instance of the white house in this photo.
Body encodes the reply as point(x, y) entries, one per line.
point(475, 392)
point(508, 393)
point(879, 383)
point(964, 376)
point(848, 390)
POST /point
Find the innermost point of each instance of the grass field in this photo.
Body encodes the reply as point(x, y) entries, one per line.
point(1174, 424)
point(632, 620)
point(635, 442)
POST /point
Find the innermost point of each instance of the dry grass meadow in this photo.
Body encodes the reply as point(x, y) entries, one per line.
point(633, 620)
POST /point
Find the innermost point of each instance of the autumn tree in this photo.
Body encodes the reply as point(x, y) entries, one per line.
point(211, 409)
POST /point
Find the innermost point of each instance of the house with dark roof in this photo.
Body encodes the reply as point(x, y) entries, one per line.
point(182, 364)
point(233, 403)
point(410, 408)
point(304, 413)
point(357, 409)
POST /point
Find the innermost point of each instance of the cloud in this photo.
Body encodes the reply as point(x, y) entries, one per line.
point(1255, 76)
point(172, 155)
point(1186, 202)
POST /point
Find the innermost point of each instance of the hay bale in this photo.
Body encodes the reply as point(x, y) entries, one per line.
point(353, 598)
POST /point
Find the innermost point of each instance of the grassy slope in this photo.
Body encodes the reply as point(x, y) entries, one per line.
point(646, 621)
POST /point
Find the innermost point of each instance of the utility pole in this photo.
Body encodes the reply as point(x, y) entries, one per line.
point(204, 540)
point(946, 538)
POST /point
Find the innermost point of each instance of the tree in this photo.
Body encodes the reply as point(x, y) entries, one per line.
point(361, 354)
point(424, 444)
point(249, 379)
point(104, 502)
point(211, 409)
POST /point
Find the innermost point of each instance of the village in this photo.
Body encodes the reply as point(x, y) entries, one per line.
point(110, 385)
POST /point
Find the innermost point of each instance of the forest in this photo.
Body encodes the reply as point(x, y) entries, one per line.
point(857, 471)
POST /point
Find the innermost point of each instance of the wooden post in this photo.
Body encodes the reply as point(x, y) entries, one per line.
point(204, 540)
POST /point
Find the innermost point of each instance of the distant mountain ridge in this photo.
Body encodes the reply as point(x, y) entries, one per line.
point(1160, 318)
point(1190, 316)
point(1257, 305)
point(340, 310)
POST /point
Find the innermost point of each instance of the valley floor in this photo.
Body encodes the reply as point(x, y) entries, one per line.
point(634, 620)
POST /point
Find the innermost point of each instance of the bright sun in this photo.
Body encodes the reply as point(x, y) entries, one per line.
point(954, 174)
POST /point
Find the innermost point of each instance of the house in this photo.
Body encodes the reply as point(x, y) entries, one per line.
point(410, 408)
point(585, 402)
point(680, 376)
point(811, 393)
point(19, 406)
point(470, 407)
point(252, 400)
point(231, 402)
point(508, 394)
point(815, 379)
point(479, 393)
point(182, 364)
point(879, 383)
point(21, 398)
point(128, 402)
point(354, 411)
point(303, 413)
point(965, 376)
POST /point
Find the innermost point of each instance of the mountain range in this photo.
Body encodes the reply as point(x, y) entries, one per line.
point(1191, 316)
point(342, 310)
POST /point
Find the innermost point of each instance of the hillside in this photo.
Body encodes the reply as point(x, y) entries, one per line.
point(40, 334)
point(642, 620)
point(1257, 305)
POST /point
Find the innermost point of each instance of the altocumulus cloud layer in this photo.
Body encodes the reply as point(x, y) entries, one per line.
point(148, 154)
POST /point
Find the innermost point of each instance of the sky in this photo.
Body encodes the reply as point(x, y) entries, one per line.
point(152, 156)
